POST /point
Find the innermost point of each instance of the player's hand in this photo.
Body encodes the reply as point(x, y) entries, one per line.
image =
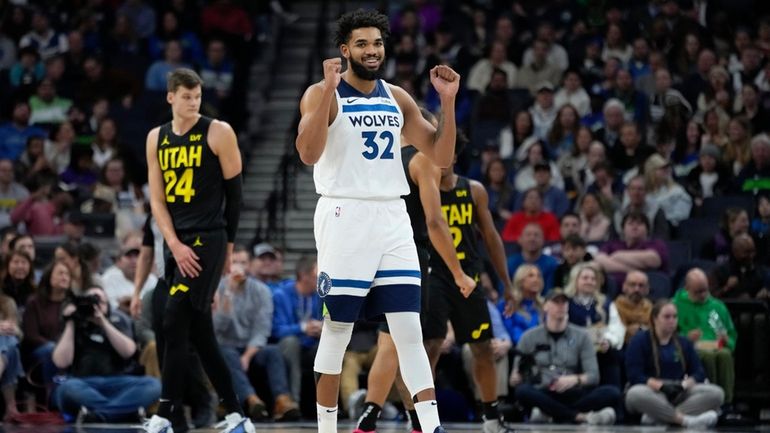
point(186, 260)
point(466, 284)
point(510, 302)
point(445, 80)
point(332, 72)
point(136, 306)
point(515, 378)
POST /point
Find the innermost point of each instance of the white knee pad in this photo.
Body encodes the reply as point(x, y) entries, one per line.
point(335, 337)
point(406, 331)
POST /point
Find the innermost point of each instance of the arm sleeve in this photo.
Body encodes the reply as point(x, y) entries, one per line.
point(233, 191)
point(148, 238)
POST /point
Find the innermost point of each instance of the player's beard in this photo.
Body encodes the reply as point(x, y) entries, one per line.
point(365, 73)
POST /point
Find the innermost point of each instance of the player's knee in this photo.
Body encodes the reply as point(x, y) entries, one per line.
point(331, 349)
point(481, 350)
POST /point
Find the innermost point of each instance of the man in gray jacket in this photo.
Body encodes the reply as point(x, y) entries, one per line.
point(243, 319)
point(556, 372)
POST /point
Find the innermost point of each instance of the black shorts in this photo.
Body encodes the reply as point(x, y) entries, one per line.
point(211, 248)
point(423, 254)
point(469, 316)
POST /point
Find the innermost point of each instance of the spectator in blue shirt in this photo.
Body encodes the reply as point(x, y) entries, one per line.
point(527, 289)
point(297, 320)
point(531, 243)
point(14, 134)
point(157, 74)
point(554, 198)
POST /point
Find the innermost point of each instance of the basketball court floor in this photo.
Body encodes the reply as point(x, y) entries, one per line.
point(384, 427)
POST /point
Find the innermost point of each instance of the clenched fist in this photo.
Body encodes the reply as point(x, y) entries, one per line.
point(445, 80)
point(332, 72)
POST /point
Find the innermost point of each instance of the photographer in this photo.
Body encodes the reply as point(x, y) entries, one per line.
point(565, 373)
point(97, 346)
point(666, 376)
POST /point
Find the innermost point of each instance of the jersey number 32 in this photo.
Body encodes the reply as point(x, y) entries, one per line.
point(373, 149)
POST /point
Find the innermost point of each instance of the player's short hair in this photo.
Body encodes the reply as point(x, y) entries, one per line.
point(183, 77)
point(359, 19)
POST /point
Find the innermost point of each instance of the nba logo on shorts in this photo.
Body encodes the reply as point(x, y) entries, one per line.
point(337, 211)
point(324, 283)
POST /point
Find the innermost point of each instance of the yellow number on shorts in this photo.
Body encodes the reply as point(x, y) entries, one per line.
point(181, 187)
point(457, 237)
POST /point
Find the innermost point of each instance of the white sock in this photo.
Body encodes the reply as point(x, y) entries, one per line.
point(327, 419)
point(427, 412)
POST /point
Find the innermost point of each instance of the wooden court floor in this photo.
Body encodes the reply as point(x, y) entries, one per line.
point(384, 427)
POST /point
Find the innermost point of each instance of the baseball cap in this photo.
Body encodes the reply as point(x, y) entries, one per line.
point(711, 150)
point(544, 85)
point(556, 294)
point(263, 248)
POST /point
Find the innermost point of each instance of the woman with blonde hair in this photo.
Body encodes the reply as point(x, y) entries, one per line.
point(527, 294)
point(663, 191)
point(738, 148)
point(586, 300)
point(587, 308)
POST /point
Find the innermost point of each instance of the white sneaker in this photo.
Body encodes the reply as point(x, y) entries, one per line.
point(538, 417)
point(704, 421)
point(605, 416)
point(356, 403)
point(648, 420)
point(157, 424)
point(236, 423)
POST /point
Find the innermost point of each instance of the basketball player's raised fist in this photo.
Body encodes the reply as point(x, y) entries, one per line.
point(332, 72)
point(445, 80)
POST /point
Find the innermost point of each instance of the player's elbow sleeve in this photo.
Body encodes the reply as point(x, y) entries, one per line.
point(233, 197)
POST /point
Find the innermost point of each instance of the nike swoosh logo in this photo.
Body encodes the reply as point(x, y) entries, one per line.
point(331, 410)
point(433, 403)
point(350, 100)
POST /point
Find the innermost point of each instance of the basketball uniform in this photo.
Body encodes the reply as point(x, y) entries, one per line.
point(194, 190)
point(469, 316)
point(367, 260)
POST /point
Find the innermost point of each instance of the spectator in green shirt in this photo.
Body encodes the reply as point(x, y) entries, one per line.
point(705, 321)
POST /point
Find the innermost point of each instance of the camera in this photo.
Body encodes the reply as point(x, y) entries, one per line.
point(85, 306)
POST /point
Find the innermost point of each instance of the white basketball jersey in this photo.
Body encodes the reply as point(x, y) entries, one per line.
point(362, 158)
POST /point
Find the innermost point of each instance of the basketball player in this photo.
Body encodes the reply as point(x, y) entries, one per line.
point(465, 205)
point(196, 385)
point(351, 129)
point(423, 204)
point(193, 164)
